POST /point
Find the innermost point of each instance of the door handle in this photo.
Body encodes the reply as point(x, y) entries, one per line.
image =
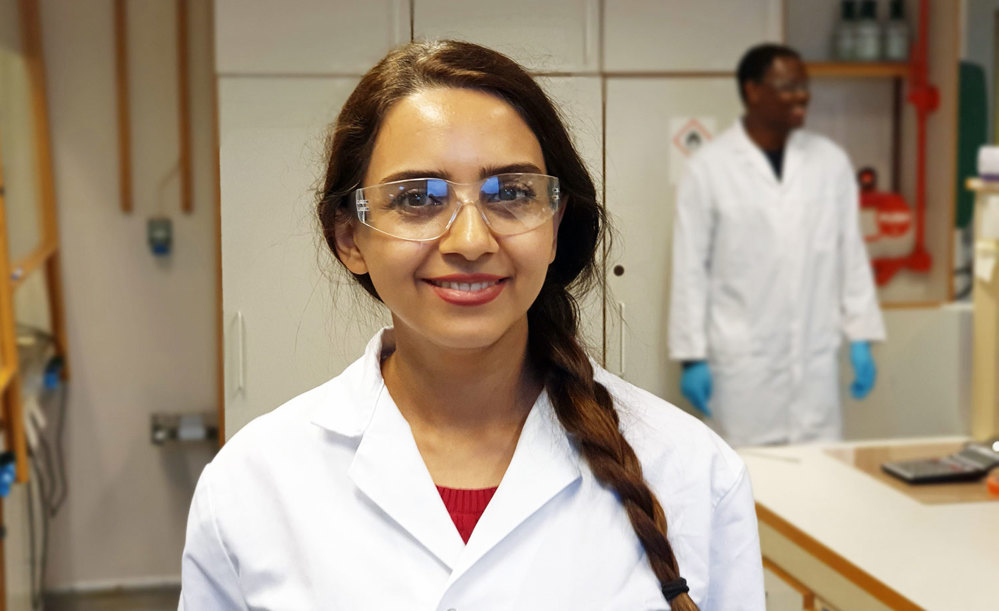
point(238, 334)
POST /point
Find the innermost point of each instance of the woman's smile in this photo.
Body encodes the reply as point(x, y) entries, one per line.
point(468, 289)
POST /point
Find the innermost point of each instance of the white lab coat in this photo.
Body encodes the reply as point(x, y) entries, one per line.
point(767, 275)
point(325, 503)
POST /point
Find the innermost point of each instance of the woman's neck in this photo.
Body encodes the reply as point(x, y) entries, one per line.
point(465, 408)
point(461, 388)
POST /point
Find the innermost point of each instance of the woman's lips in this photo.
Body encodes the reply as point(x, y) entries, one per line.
point(469, 290)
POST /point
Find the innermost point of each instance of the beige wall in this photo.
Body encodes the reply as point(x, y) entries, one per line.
point(141, 330)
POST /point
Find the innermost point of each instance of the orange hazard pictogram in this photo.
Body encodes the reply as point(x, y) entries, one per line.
point(691, 137)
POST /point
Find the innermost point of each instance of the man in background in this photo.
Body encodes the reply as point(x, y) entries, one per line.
point(769, 268)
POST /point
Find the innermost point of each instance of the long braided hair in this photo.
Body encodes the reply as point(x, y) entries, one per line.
point(583, 406)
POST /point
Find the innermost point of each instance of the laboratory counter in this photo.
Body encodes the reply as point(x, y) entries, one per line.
point(843, 532)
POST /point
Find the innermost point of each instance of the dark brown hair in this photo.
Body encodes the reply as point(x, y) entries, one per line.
point(756, 61)
point(584, 407)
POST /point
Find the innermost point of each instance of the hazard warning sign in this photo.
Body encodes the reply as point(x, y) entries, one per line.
point(687, 135)
point(691, 136)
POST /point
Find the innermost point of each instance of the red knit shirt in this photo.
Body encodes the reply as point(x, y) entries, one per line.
point(465, 507)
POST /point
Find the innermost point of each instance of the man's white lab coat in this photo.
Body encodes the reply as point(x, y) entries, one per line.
point(767, 275)
point(325, 503)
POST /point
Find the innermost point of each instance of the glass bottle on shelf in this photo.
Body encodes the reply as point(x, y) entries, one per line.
point(896, 34)
point(844, 38)
point(867, 33)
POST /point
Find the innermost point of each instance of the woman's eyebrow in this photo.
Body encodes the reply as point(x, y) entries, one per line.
point(484, 172)
point(411, 174)
point(514, 168)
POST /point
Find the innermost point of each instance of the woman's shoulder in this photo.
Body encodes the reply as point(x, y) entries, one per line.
point(340, 405)
point(301, 425)
point(674, 447)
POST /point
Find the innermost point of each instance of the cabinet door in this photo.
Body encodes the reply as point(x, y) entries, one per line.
point(330, 37)
point(686, 35)
point(550, 36)
point(648, 127)
point(291, 320)
point(580, 101)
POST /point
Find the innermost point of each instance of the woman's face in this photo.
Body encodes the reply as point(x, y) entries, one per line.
point(469, 288)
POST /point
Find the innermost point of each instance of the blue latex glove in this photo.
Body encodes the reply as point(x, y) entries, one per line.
point(863, 368)
point(7, 476)
point(696, 385)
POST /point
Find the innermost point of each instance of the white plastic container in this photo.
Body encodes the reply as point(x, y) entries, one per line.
point(988, 162)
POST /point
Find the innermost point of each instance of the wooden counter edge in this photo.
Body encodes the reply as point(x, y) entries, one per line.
point(838, 563)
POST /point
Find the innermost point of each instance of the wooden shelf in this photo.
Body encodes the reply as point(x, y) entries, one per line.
point(975, 183)
point(6, 375)
point(858, 69)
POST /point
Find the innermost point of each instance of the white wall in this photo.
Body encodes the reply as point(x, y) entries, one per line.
point(142, 334)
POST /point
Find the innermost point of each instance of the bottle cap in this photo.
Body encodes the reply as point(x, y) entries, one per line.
point(848, 10)
point(869, 9)
point(897, 9)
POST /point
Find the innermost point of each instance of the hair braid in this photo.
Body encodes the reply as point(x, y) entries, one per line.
point(586, 411)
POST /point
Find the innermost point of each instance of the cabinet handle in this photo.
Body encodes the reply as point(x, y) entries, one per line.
point(239, 351)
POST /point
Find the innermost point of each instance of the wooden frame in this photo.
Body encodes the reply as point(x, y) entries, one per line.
point(44, 256)
point(219, 318)
point(807, 596)
point(184, 109)
point(13, 409)
point(124, 114)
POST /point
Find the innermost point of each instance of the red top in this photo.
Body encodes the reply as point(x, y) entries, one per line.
point(465, 507)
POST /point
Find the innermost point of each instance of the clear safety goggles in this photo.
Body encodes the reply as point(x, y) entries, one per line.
point(422, 209)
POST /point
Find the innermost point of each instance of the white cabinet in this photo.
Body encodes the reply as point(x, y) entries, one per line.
point(287, 327)
point(324, 37)
point(644, 155)
point(580, 102)
point(549, 36)
point(686, 35)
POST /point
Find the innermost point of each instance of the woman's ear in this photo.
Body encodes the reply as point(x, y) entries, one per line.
point(347, 250)
point(558, 221)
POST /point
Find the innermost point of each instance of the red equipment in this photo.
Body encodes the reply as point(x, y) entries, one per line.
point(893, 218)
point(925, 98)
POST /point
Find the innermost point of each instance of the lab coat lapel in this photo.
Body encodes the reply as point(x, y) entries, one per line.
point(752, 156)
point(794, 158)
point(388, 469)
point(544, 463)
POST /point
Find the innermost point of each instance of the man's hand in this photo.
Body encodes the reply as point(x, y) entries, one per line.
point(696, 385)
point(865, 373)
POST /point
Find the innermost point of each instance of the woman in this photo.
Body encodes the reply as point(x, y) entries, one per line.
point(474, 457)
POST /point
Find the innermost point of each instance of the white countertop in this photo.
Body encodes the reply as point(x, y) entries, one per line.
point(941, 556)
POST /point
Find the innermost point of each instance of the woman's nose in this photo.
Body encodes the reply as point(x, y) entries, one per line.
point(469, 235)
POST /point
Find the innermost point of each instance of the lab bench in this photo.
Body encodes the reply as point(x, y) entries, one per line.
point(843, 532)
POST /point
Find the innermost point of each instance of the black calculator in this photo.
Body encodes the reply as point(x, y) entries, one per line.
point(972, 463)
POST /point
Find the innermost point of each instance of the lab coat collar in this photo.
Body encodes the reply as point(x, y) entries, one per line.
point(350, 398)
point(389, 469)
point(757, 159)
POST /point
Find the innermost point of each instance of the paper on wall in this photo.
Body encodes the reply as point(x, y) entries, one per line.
point(985, 259)
point(687, 135)
point(988, 221)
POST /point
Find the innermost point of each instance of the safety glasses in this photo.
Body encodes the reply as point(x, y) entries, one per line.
point(423, 209)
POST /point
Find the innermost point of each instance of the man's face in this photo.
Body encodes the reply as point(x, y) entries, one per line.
point(780, 99)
